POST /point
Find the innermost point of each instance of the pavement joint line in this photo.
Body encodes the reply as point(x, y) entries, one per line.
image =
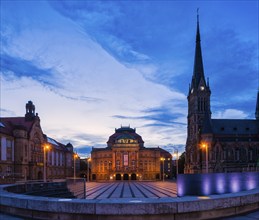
point(141, 191)
point(132, 193)
point(122, 189)
point(156, 189)
point(94, 191)
point(104, 189)
point(109, 196)
point(146, 188)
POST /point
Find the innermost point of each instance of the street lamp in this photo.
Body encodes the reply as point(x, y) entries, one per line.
point(45, 148)
point(205, 145)
point(88, 167)
point(75, 157)
point(163, 159)
point(176, 156)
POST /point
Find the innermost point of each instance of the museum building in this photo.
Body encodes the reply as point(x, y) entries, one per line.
point(217, 145)
point(126, 158)
point(22, 148)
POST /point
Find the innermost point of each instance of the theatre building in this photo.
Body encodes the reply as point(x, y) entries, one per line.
point(126, 158)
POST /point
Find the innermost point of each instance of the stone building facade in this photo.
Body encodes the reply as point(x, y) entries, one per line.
point(126, 158)
point(22, 144)
point(232, 144)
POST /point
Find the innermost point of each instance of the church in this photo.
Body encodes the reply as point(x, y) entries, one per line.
point(217, 145)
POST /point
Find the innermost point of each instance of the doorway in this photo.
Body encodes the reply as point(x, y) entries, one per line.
point(133, 176)
point(118, 176)
point(126, 176)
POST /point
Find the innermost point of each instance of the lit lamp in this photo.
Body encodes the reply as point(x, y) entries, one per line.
point(176, 156)
point(75, 157)
point(205, 145)
point(163, 159)
point(45, 149)
point(88, 167)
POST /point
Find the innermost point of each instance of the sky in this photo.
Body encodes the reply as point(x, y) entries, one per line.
point(93, 66)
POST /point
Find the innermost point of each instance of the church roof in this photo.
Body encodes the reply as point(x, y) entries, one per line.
point(234, 126)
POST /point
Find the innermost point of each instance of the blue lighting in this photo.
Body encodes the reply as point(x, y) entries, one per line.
point(216, 183)
point(220, 184)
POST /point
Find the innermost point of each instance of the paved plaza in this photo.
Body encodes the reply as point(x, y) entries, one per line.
point(133, 189)
point(123, 189)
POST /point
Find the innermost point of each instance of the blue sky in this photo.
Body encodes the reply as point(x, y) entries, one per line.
point(92, 66)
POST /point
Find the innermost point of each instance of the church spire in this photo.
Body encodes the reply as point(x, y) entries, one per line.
point(198, 72)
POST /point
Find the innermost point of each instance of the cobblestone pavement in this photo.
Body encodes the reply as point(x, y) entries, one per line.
point(104, 190)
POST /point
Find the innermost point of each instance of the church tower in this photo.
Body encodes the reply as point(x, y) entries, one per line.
point(198, 109)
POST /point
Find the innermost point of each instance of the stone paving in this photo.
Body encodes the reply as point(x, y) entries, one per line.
point(123, 189)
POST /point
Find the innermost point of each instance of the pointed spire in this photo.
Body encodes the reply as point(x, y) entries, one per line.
point(198, 72)
point(257, 106)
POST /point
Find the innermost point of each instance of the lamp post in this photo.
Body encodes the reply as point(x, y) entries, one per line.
point(45, 148)
point(163, 159)
point(88, 167)
point(75, 157)
point(176, 156)
point(205, 145)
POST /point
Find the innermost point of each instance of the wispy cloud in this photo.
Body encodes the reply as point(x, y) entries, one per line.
point(25, 68)
point(230, 114)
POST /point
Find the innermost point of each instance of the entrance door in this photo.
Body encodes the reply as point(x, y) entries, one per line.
point(118, 176)
point(133, 176)
point(40, 176)
point(126, 176)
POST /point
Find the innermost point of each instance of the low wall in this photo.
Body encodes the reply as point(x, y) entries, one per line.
point(216, 183)
point(190, 207)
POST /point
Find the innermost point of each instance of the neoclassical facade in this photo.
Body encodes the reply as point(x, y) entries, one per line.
point(22, 143)
point(231, 144)
point(126, 158)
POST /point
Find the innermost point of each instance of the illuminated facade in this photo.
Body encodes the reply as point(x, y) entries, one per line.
point(231, 144)
point(22, 143)
point(126, 158)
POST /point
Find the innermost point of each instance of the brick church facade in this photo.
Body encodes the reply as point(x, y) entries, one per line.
point(232, 144)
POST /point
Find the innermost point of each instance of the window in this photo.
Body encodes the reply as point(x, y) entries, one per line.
point(9, 149)
point(117, 164)
point(237, 155)
point(250, 155)
point(8, 170)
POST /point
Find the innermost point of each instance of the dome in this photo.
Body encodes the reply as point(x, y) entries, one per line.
point(125, 133)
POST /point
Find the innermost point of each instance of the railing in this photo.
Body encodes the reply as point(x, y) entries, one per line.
point(77, 187)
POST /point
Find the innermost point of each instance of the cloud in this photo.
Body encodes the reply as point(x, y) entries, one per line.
point(230, 114)
point(25, 68)
point(6, 113)
point(93, 86)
